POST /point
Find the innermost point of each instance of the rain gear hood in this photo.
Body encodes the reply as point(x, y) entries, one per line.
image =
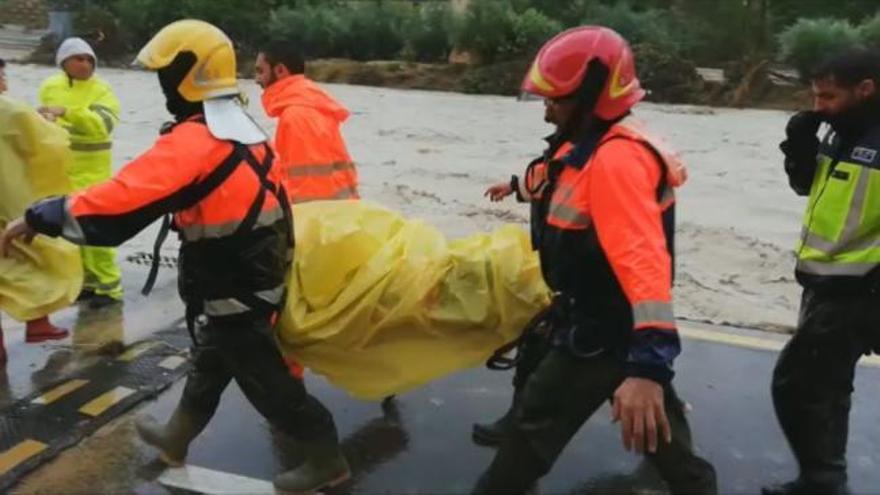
point(74, 46)
point(309, 141)
point(299, 91)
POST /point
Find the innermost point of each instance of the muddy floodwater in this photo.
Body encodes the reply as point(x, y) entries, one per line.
point(431, 155)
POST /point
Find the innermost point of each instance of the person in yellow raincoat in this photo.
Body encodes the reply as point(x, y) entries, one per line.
point(47, 275)
point(84, 104)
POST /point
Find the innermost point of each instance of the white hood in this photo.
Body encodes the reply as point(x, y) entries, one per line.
point(74, 46)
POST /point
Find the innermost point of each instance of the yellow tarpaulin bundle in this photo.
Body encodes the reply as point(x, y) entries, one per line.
point(379, 304)
point(45, 276)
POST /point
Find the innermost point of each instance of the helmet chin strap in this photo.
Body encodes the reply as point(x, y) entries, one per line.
point(170, 78)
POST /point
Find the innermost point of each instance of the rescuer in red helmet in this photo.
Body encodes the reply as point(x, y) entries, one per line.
point(605, 237)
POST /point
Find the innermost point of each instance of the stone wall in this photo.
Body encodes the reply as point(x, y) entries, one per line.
point(30, 13)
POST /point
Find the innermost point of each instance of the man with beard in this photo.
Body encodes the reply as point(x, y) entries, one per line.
point(838, 255)
point(309, 141)
point(83, 104)
point(606, 248)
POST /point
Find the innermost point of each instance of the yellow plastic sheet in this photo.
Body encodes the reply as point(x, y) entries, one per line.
point(45, 276)
point(380, 305)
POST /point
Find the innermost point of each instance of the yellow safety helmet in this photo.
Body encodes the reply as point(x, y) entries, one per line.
point(214, 73)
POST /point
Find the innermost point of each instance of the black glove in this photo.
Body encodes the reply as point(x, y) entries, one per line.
point(802, 128)
point(800, 148)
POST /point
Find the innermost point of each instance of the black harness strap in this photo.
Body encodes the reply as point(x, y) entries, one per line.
point(196, 192)
point(262, 170)
point(157, 247)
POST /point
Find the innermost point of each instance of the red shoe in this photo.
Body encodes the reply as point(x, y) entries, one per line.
point(40, 330)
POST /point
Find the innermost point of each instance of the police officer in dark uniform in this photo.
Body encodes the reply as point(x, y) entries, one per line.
point(838, 257)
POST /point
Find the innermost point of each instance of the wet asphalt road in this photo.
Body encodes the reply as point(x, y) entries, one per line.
point(420, 442)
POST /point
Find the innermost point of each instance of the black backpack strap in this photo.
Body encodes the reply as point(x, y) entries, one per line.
point(262, 169)
point(262, 172)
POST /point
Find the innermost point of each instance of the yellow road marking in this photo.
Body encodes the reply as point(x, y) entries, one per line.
point(100, 404)
point(752, 342)
point(134, 352)
point(59, 392)
point(20, 453)
point(172, 362)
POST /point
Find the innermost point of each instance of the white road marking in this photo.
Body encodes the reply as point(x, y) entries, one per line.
point(211, 482)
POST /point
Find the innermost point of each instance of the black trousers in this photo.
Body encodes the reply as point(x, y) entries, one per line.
point(243, 348)
point(559, 396)
point(813, 379)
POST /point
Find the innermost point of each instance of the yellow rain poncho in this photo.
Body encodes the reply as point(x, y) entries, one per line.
point(45, 276)
point(381, 305)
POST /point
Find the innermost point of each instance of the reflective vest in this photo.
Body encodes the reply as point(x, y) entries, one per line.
point(534, 183)
point(309, 141)
point(92, 112)
point(841, 226)
point(608, 246)
point(569, 206)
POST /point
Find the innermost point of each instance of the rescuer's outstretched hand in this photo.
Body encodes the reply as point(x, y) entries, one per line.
point(499, 191)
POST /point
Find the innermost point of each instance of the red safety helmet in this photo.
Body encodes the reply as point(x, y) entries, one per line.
point(560, 68)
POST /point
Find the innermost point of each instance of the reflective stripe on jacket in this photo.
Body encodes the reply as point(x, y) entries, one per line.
point(92, 110)
point(840, 242)
point(92, 113)
point(309, 141)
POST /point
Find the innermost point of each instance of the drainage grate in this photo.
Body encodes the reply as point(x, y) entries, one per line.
point(33, 431)
point(146, 259)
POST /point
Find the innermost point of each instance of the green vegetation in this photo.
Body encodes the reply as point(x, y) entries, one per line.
point(810, 40)
point(672, 36)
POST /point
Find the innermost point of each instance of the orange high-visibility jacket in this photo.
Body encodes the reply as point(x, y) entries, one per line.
point(309, 142)
point(608, 246)
point(228, 210)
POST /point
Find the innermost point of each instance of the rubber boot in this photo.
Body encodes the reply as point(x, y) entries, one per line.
point(801, 487)
point(817, 431)
point(40, 330)
point(325, 467)
point(171, 440)
point(492, 434)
